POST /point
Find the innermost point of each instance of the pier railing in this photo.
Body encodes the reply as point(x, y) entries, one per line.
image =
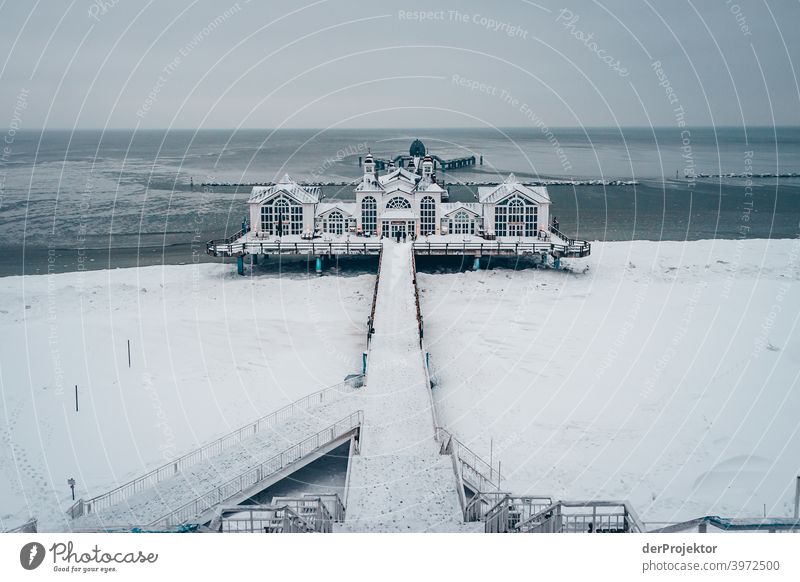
point(371, 320)
point(118, 494)
point(524, 247)
point(225, 492)
point(311, 247)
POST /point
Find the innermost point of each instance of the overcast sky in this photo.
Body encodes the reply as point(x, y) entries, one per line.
point(372, 64)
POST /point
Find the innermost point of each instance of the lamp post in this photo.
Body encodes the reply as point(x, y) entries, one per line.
point(71, 483)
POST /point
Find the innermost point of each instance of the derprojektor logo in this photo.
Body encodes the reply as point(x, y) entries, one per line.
point(31, 555)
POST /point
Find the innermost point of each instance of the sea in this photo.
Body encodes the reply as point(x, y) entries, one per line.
point(91, 199)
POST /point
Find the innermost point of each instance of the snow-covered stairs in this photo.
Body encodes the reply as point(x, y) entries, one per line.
point(399, 482)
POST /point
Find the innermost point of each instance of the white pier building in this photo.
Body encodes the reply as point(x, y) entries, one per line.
point(406, 202)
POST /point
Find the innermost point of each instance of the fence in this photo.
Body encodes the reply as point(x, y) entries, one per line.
point(253, 247)
point(265, 519)
point(30, 526)
point(511, 511)
point(371, 320)
point(168, 470)
point(258, 473)
point(583, 517)
point(570, 248)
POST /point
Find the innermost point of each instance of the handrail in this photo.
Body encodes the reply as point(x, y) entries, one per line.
point(30, 526)
point(255, 246)
point(507, 514)
point(259, 472)
point(552, 519)
point(474, 461)
point(735, 524)
point(371, 320)
point(576, 249)
point(170, 469)
point(416, 296)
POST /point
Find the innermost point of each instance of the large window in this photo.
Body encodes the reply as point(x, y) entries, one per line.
point(369, 215)
point(516, 217)
point(427, 207)
point(398, 203)
point(334, 223)
point(282, 217)
point(462, 223)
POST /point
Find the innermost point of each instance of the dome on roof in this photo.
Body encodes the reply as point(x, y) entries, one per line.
point(417, 149)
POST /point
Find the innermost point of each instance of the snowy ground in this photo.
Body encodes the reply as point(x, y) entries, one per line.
point(667, 374)
point(210, 351)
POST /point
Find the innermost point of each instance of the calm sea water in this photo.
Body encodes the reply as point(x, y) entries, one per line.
point(123, 198)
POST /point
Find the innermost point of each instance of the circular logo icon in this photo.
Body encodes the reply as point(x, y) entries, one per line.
point(31, 555)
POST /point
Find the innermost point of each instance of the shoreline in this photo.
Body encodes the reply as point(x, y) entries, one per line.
point(181, 255)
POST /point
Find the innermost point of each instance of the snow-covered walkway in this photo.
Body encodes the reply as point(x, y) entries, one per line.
point(399, 482)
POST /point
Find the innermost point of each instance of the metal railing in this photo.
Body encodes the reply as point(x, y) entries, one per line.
point(30, 526)
point(701, 525)
point(264, 519)
point(314, 510)
point(254, 475)
point(371, 320)
point(567, 249)
point(480, 503)
point(310, 247)
point(172, 468)
point(583, 517)
point(485, 476)
point(416, 299)
point(511, 511)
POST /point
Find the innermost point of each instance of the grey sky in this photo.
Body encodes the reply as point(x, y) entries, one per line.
point(374, 64)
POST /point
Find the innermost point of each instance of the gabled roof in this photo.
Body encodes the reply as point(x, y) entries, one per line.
point(303, 194)
point(428, 186)
point(493, 194)
point(449, 208)
point(346, 208)
point(399, 174)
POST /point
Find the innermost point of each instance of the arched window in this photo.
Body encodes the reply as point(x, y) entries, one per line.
point(427, 208)
point(282, 217)
point(516, 217)
point(334, 224)
point(398, 203)
point(369, 215)
point(462, 223)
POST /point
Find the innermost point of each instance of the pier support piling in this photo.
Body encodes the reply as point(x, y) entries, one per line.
point(318, 266)
point(240, 264)
point(363, 362)
point(557, 262)
point(476, 264)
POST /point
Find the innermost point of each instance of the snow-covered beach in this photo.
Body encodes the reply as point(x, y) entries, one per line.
point(210, 351)
point(664, 374)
